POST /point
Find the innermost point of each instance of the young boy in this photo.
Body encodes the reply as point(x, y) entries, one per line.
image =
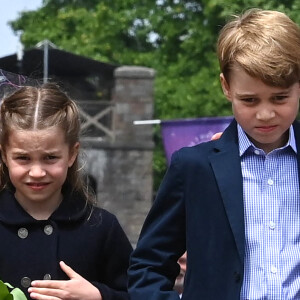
point(234, 203)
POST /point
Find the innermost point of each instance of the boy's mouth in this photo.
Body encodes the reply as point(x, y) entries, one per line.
point(266, 128)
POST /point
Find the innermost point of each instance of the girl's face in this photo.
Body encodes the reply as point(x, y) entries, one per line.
point(38, 163)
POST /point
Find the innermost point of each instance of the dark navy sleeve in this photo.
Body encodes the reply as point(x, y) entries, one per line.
point(153, 267)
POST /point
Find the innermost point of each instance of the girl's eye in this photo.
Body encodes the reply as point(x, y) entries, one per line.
point(22, 157)
point(51, 157)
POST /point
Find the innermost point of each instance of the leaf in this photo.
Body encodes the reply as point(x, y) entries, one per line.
point(15, 294)
point(8, 297)
point(18, 294)
point(9, 285)
point(3, 290)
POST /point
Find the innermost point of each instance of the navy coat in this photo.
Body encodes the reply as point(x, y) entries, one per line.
point(199, 207)
point(88, 239)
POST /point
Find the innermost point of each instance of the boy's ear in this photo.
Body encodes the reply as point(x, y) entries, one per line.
point(225, 87)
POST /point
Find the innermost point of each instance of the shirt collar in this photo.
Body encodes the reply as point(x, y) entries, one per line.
point(245, 143)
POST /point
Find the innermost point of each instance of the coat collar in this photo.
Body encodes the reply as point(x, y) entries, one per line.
point(72, 208)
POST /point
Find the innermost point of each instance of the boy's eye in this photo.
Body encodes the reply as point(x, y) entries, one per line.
point(248, 100)
point(280, 98)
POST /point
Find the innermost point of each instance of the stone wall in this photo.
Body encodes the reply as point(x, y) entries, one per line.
point(123, 166)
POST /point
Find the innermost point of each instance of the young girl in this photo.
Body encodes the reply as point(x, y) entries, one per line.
point(55, 243)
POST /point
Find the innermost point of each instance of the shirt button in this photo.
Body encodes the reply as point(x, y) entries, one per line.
point(272, 225)
point(48, 229)
point(273, 269)
point(23, 233)
point(25, 282)
point(270, 181)
point(256, 152)
point(47, 277)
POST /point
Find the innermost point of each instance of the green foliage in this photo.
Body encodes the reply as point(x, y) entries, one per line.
point(102, 30)
point(14, 294)
point(175, 37)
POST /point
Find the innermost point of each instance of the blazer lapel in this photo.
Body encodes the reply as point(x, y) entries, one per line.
point(227, 168)
point(296, 126)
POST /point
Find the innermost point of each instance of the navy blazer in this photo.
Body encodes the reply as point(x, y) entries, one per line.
point(199, 208)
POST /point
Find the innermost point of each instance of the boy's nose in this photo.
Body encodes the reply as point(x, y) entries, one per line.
point(37, 171)
point(265, 114)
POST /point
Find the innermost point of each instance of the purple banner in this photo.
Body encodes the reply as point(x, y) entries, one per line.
point(189, 132)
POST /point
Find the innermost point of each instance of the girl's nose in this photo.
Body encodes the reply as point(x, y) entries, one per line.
point(37, 171)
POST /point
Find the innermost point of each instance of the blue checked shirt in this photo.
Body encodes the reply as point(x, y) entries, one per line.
point(272, 221)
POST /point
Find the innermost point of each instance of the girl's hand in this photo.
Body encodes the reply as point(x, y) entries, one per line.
point(77, 288)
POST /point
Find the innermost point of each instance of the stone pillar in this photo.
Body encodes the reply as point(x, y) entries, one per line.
point(129, 169)
point(122, 168)
point(133, 97)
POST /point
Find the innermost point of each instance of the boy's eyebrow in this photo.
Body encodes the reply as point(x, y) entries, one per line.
point(246, 94)
point(282, 92)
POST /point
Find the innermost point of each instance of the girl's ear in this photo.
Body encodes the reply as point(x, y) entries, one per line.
point(225, 87)
point(2, 155)
point(73, 154)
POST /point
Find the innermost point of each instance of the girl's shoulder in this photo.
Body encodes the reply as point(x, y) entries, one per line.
point(102, 216)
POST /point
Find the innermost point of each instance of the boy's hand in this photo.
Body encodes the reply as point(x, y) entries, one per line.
point(75, 288)
point(216, 136)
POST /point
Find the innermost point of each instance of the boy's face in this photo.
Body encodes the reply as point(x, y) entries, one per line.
point(264, 112)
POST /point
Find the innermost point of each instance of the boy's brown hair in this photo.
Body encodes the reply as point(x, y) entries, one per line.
point(265, 43)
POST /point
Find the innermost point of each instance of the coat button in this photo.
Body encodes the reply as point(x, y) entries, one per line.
point(48, 229)
point(23, 233)
point(25, 282)
point(47, 277)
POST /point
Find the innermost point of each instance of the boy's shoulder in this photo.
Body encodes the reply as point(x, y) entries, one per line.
point(296, 127)
point(228, 138)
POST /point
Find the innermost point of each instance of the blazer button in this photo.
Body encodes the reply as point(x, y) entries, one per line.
point(25, 282)
point(48, 229)
point(47, 277)
point(23, 233)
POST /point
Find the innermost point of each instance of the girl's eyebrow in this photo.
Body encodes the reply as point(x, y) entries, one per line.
point(54, 151)
point(19, 152)
point(23, 152)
